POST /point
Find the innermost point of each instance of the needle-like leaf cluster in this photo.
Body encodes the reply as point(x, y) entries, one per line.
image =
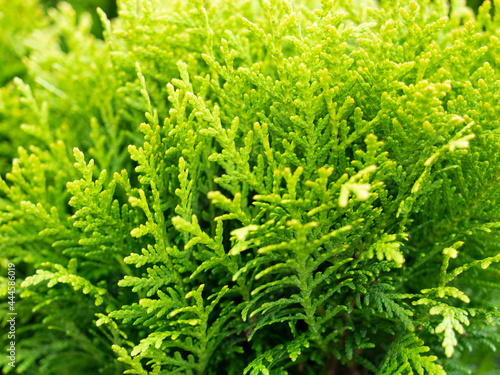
point(253, 187)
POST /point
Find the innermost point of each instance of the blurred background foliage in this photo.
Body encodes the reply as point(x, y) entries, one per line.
point(22, 17)
point(108, 6)
point(20, 25)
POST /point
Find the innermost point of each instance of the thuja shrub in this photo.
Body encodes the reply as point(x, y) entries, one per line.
point(243, 187)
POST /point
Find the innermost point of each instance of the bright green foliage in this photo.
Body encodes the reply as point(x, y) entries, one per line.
point(404, 358)
point(252, 187)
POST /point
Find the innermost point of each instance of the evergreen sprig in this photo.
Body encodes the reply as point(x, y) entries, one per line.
point(248, 187)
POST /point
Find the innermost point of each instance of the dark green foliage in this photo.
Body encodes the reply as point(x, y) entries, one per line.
point(253, 187)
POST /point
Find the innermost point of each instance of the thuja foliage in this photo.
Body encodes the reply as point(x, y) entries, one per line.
point(245, 187)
